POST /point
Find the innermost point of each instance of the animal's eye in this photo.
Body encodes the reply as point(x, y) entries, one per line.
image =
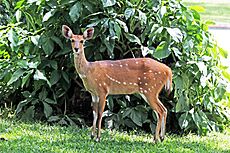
point(72, 40)
point(82, 41)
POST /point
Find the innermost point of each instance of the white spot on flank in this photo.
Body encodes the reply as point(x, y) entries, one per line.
point(121, 65)
point(145, 91)
point(154, 78)
point(124, 83)
point(164, 73)
point(95, 79)
point(99, 84)
point(144, 73)
point(144, 77)
point(159, 72)
point(149, 89)
point(146, 84)
point(104, 83)
point(160, 81)
point(150, 71)
point(155, 85)
point(139, 78)
point(155, 72)
point(136, 62)
point(126, 64)
point(135, 84)
point(140, 82)
point(111, 64)
point(141, 88)
point(130, 83)
point(152, 87)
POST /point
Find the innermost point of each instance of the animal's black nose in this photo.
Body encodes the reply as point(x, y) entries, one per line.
point(76, 49)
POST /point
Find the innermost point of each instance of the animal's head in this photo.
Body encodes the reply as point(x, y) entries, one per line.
point(77, 41)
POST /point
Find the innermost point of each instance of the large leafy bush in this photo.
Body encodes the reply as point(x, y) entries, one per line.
point(38, 77)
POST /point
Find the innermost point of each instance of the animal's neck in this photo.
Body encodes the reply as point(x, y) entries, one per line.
point(81, 64)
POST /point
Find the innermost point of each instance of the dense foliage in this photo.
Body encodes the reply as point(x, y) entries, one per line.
point(38, 79)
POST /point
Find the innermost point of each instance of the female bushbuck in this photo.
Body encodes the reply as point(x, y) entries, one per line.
point(137, 75)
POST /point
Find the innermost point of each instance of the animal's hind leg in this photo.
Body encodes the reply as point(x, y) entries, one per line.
point(155, 105)
point(163, 123)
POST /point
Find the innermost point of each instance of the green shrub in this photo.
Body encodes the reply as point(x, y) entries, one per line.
point(39, 81)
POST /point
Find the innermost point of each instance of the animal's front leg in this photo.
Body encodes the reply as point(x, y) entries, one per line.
point(95, 101)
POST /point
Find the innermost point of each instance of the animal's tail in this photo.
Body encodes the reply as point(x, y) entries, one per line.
point(168, 84)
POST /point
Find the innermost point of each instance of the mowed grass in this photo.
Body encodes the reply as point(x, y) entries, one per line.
point(26, 138)
point(218, 12)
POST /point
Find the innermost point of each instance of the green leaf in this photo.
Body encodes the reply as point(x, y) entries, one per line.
point(202, 68)
point(21, 105)
point(12, 37)
point(43, 94)
point(197, 8)
point(133, 38)
point(178, 81)
point(47, 45)
point(28, 115)
point(26, 78)
point(162, 50)
point(226, 74)
point(122, 24)
point(53, 118)
point(175, 34)
point(30, 21)
point(107, 3)
point(138, 115)
point(50, 101)
point(65, 76)
point(35, 39)
point(110, 103)
point(19, 4)
point(75, 11)
point(58, 41)
point(129, 12)
point(40, 76)
point(182, 104)
point(142, 17)
point(48, 15)
point(47, 110)
point(110, 43)
point(18, 15)
point(223, 52)
point(55, 77)
point(183, 121)
point(117, 30)
point(163, 11)
point(126, 112)
point(16, 75)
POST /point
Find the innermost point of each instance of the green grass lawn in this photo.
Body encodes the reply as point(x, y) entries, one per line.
point(24, 137)
point(218, 12)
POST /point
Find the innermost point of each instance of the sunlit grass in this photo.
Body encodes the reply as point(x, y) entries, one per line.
point(218, 12)
point(22, 137)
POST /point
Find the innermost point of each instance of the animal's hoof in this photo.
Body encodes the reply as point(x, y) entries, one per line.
point(92, 136)
point(3, 139)
point(98, 139)
point(156, 140)
point(162, 138)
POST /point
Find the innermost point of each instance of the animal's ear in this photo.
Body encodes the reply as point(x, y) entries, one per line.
point(88, 33)
point(67, 32)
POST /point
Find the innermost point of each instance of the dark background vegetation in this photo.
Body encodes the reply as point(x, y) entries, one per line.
point(38, 80)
